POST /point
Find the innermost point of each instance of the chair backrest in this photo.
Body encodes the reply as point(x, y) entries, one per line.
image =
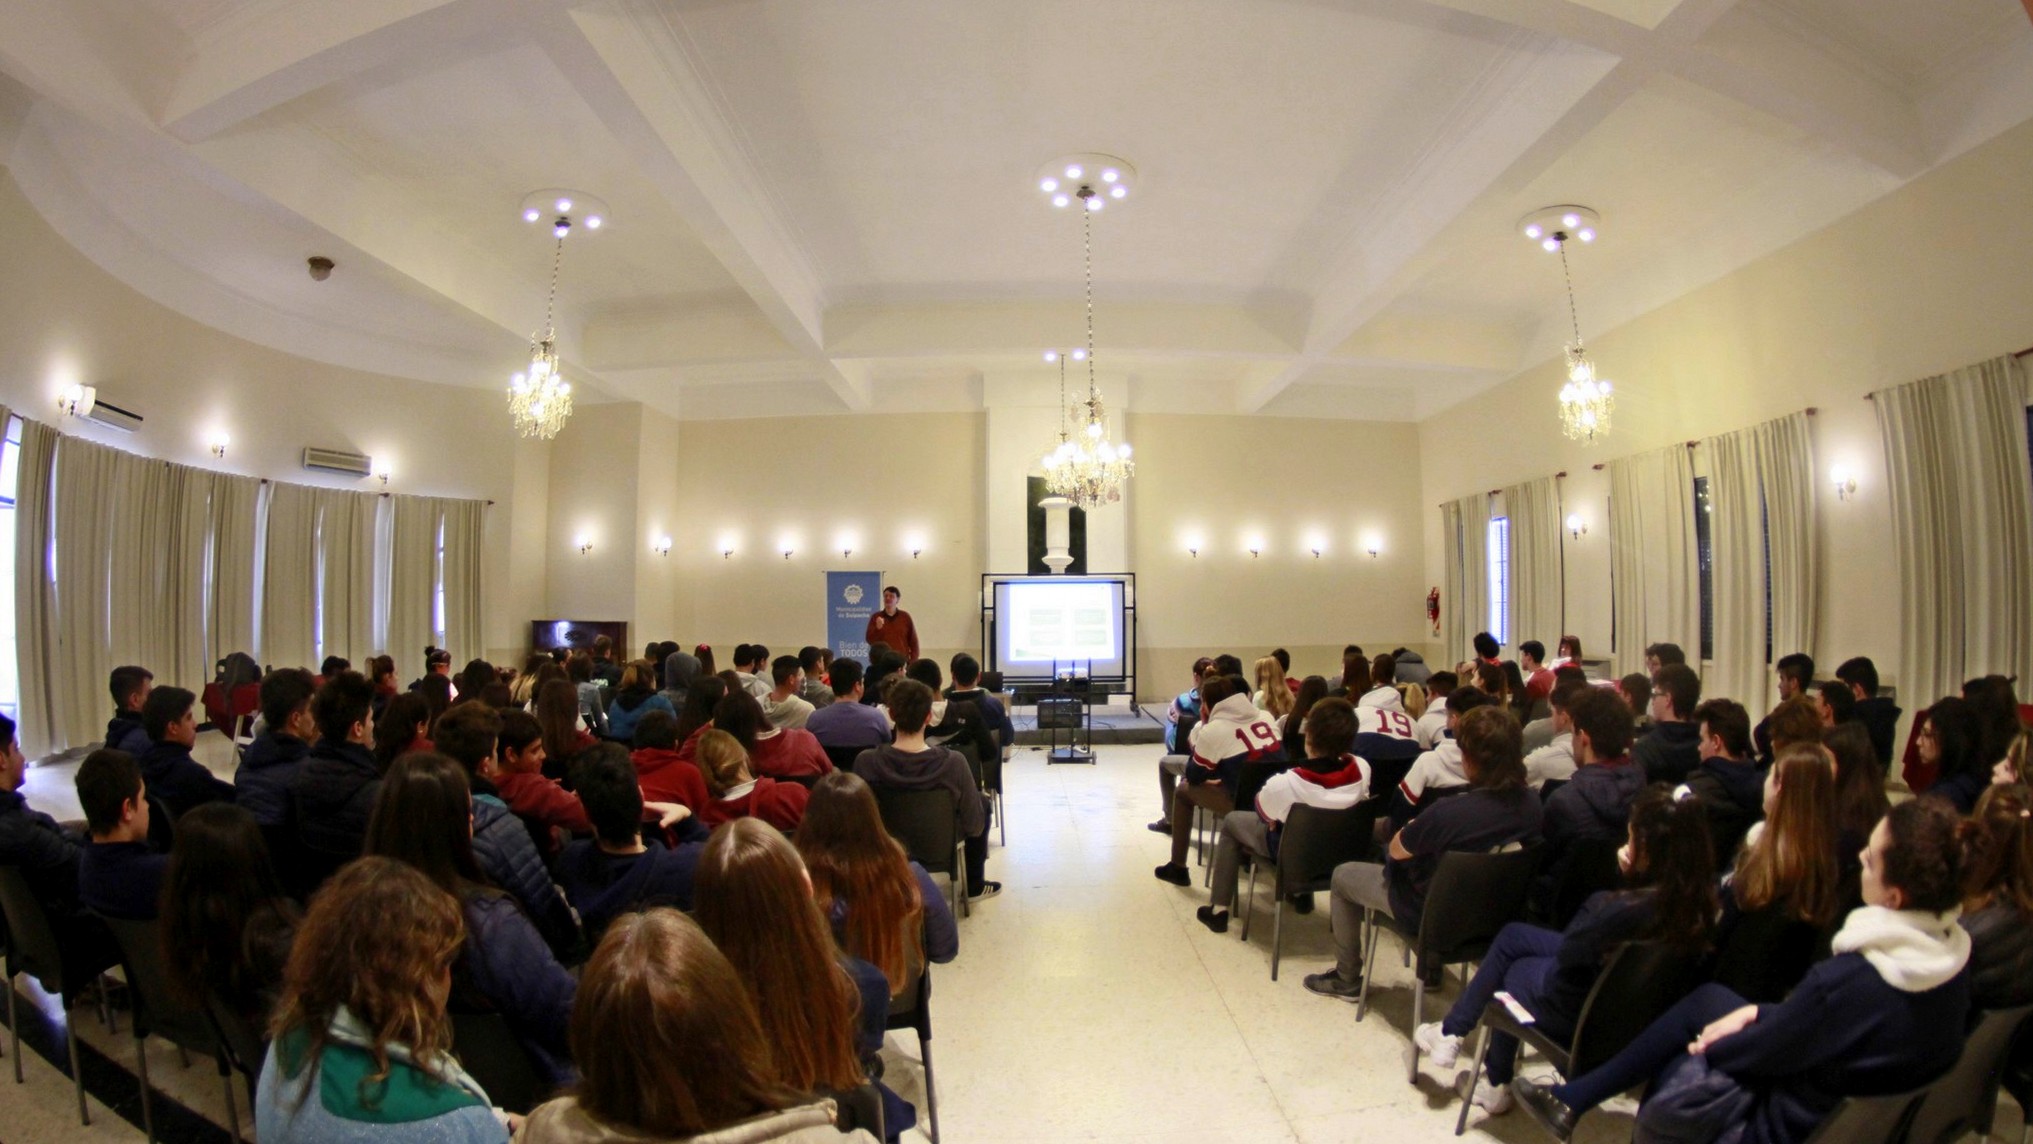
point(161, 825)
point(1959, 1102)
point(859, 1108)
point(966, 749)
point(1766, 954)
point(1640, 982)
point(31, 941)
point(1868, 1119)
point(1547, 788)
point(1472, 897)
point(925, 821)
point(1315, 841)
point(489, 1052)
point(1589, 866)
point(246, 1044)
point(843, 757)
point(157, 1010)
point(1182, 736)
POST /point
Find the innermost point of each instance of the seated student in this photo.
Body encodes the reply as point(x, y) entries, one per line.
point(615, 870)
point(1860, 799)
point(1498, 810)
point(403, 726)
point(1328, 777)
point(564, 735)
point(817, 1005)
point(1312, 690)
point(636, 697)
point(1411, 666)
point(1184, 709)
point(173, 776)
point(130, 686)
point(1232, 732)
point(1487, 649)
point(847, 722)
point(815, 662)
point(1795, 673)
point(1356, 675)
point(524, 782)
point(1879, 716)
point(784, 705)
point(1385, 742)
point(502, 845)
point(771, 751)
point(1272, 697)
point(680, 668)
point(1789, 859)
point(226, 922)
point(967, 685)
point(663, 775)
point(884, 663)
point(1728, 785)
point(736, 790)
point(1835, 703)
point(1441, 767)
point(910, 763)
point(701, 695)
point(749, 660)
point(884, 908)
point(1595, 804)
point(1540, 732)
point(1667, 894)
point(592, 695)
point(1658, 655)
point(1431, 727)
point(1997, 897)
point(1383, 686)
point(119, 876)
point(1635, 690)
point(1555, 761)
point(46, 853)
point(271, 761)
point(1950, 745)
point(1538, 676)
point(1671, 748)
point(656, 978)
point(504, 965)
point(1885, 1014)
point(362, 1039)
point(333, 793)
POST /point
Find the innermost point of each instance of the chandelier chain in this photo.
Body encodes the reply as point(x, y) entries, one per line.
point(1087, 255)
point(551, 302)
point(1573, 313)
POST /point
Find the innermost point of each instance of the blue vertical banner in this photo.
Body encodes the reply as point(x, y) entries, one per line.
point(851, 597)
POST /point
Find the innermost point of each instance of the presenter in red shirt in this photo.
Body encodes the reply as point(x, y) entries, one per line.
point(892, 626)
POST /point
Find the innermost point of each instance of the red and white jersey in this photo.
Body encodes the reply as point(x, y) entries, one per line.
point(1386, 697)
point(1235, 729)
point(1437, 768)
point(1315, 782)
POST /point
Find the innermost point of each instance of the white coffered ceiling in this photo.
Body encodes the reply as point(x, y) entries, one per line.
point(820, 207)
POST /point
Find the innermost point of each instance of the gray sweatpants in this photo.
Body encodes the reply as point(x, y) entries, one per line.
point(1357, 886)
point(1240, 830)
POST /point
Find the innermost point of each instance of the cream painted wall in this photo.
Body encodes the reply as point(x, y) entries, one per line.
point(594, 463)
point(1927, 279)
point(66, 320)
point(1223, 481)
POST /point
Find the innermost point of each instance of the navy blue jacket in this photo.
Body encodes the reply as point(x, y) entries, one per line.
point(181, 782)
point(1733, 794)
point(261, 785)
point(505, 853)
point(124, 732)
point(1880, 716)
point(333, 795)
point(602, 886)
point(991, 709)
point(1595, 803)
point(507, 963)
point(1963, 789)
point(1606, 920)
point(1669, 752)
point(121, 880)
point(46, 853)
point(1841, 1032)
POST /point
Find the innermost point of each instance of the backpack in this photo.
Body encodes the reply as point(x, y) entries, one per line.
point(237, 669)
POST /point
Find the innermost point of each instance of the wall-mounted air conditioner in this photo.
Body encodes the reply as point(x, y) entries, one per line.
point(114, 417)
point(334, 461)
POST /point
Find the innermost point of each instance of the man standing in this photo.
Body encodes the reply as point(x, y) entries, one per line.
point(893, 627)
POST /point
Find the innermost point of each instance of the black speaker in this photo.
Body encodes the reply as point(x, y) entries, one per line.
point(991, 682)
point(1065, 712)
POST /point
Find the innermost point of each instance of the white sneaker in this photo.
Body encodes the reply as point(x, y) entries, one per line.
point(1494, 1099)
point(1443, 1049)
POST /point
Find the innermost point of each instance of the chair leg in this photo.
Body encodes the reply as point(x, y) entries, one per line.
point(1249, 904)
point(1001, 823)
point(931, 1087)
point(232, 1109)
point(77, 1074)
point(14, 1030)
point(1277, 931)
point(1369, 962)
point(141, 1073)
point(1418, 1015)
point(1474, 1078)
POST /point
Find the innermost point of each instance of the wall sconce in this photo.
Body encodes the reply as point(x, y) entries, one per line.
point(726, 554)
point(584, 543)
point(1194, 551)
point(787, 553)
point(1256, 548)
point(77, 400)
point(846, 553)
point(915, 552)
point(382, 471)
point(218, 445)
point(1372, 545)
point(1576, 527)
point(661, 546)
point(1845, 483)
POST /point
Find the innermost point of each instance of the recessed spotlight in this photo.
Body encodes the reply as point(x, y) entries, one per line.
point(1110, 175)
point(1117, 191)
point(1534, 231)
point(1060, 200)
point(593, 222)
point(1570, 220)
point(1048, 185)
point(1079, 355)
point(1073, 171)
point(1586, 235)
point(1095, 203)
point(531, 215)
point(561, 228)
point(1051, 355)
point(1550, 245)
point(564, 204)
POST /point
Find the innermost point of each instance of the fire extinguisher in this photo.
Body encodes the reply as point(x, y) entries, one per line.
point(1433, 609)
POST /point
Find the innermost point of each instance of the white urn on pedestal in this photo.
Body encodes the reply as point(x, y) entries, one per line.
point(1058, 533)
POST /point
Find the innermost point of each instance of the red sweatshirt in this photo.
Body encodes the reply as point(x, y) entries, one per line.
point(667, 778)
point(786, 753)
point(532, 795)
point(782, 805)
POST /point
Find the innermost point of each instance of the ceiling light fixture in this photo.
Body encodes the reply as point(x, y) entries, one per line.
point(539, 398)
point(1586, 402)
point(1087, 467)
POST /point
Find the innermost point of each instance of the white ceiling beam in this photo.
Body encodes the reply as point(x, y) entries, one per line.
point(277, 52)
point(645, 81)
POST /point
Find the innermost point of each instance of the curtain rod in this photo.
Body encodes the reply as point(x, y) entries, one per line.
point(2027, 352)
point(264, 480)
point(1561, 475)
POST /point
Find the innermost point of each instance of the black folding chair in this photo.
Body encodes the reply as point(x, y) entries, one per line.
point(1314, 841)
point(245, 1043)
point(928, 825)
point(1966, 1099)
point(1471, 898)
point(158, 1012)
point(1638, 984)
point(1869, 1119)
point(1765, 954)
point(911, 1008)
point(859, 1107)
point(843, 757)
point(492, 1055)
point(62, 968)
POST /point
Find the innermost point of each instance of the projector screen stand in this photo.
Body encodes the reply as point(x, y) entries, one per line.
point(1069, 708)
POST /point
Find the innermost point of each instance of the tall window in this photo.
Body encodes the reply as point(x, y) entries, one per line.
point(438, 591)
point(1704, 549)
point(1500, 578)
point(10, 475)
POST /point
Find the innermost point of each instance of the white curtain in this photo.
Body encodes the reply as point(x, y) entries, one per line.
point(290, 579)
point(1785, 449)
point(1464, 600)
point(1655, 583)
point(465, 527)
point(230, 606)
point(1536, 596)
point(37, 648)
point(86, 508)
point(412, 576)
point(346, 573)
point(1735, 527)
point(1956, 455)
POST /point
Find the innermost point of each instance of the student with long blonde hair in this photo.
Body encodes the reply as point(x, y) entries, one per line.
point(737, 791)
point(1791, 859)
point(1272, 696)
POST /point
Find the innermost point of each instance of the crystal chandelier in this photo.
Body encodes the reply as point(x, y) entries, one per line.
point(1586, 402)
point(539, 397)
point(1086, 466)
